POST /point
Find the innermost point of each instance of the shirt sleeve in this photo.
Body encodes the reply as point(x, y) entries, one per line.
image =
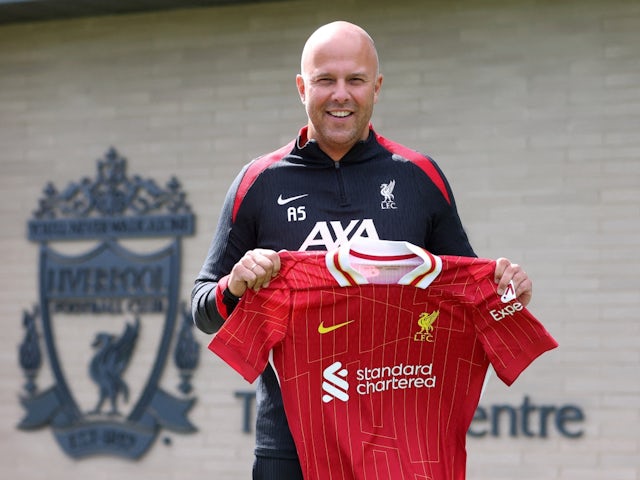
point(511, 336)
point(255, 327)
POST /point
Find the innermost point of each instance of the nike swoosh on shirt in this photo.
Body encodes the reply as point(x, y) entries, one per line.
point(322, 329)
point(284, 201)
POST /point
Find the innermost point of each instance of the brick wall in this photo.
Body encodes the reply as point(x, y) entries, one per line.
point(532, 109)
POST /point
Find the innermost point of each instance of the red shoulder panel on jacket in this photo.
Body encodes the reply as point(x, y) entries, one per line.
point(422, 161)
point(258, 166)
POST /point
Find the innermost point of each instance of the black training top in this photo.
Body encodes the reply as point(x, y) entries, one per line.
point(298, 198)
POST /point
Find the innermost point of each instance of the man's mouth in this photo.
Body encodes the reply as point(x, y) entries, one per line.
point(340, 113)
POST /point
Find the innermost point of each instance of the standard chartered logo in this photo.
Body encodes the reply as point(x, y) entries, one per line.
point(374, 380)
point(397, 377)
point(335, 385)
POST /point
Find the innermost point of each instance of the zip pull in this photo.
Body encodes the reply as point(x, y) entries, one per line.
point(344, 201)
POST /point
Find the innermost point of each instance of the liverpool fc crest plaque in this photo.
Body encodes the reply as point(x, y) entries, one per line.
point(109, 322)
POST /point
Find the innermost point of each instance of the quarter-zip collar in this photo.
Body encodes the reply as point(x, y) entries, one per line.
point(309, 153)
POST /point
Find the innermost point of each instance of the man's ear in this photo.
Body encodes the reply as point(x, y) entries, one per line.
point(300, 86)
point(377, 87)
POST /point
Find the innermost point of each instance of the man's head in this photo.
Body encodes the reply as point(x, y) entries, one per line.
point(339, 83)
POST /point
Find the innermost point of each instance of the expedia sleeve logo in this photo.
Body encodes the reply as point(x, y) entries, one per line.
point(508, 310)
point(109, 301)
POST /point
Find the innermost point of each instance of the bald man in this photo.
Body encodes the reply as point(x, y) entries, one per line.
point(336, 181)
point(338, 85)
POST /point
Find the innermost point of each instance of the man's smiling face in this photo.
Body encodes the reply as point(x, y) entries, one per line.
point(339, 85)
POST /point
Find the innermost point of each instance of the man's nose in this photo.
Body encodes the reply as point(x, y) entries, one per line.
point(341, 92)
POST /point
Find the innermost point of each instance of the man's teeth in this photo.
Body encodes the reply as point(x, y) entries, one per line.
point(340, 114)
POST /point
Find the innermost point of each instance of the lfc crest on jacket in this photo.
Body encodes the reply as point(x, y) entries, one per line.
point(108, 323)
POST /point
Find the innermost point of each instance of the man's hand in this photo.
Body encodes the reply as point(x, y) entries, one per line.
point(254, 270)
point(507, 272)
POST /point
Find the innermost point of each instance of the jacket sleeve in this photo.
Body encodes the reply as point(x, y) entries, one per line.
point(448, 236)
point(230, 241)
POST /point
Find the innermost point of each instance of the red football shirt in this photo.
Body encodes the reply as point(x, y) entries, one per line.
point(381, 350)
